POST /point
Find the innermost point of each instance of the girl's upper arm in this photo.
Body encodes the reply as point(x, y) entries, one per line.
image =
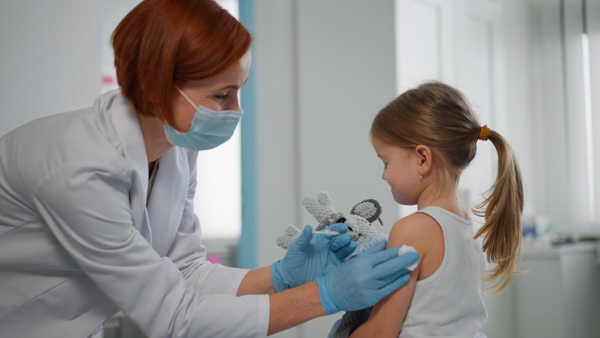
point(388, 315)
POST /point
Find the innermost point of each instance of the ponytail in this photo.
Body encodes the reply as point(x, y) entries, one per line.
point(502, 209)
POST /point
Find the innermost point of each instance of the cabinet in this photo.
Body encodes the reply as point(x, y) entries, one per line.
point(557, 297)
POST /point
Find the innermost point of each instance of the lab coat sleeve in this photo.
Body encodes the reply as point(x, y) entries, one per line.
point(87, 207)
point(189, 255)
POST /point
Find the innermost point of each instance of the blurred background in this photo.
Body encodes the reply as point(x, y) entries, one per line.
point(321, 71)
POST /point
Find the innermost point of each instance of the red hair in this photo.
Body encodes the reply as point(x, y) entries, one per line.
point(163, 43)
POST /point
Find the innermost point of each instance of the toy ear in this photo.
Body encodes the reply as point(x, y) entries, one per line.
point(321, 207)
point(325, 200)
point(369, 209)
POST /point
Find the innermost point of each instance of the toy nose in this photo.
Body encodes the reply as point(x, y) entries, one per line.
point(343, 220)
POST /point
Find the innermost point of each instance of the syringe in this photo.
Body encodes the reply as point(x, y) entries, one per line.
point(331, 232)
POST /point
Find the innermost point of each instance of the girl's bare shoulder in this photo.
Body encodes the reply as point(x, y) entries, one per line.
point(414, 227)
point(423, 233)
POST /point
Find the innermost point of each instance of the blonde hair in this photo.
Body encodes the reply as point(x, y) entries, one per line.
point(439, 116)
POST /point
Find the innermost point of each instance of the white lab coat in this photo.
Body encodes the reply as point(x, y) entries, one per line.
point(78, 242)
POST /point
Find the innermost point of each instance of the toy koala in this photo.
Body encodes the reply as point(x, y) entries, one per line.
point(360, 229)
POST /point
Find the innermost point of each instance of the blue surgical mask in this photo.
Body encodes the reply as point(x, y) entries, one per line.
point(209, 128)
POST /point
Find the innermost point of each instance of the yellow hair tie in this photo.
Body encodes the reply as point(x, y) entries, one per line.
point(484, 133)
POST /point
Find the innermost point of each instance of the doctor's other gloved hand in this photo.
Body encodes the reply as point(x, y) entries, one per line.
point(364, 280)
point(309, 257)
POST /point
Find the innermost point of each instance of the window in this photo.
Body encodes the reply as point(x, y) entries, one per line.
point(585, 44)
point(580, 39)
point(218, 192)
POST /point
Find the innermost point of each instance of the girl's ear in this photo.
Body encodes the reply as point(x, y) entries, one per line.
point(424, 158)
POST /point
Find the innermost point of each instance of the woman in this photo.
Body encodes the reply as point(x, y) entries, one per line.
point(97, 204)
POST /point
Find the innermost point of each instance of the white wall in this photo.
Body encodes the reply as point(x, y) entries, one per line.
point(49, 58)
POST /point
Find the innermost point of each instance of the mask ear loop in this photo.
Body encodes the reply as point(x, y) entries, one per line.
point(186, 97)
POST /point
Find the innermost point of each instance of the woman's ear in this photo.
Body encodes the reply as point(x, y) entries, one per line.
point(424, 159)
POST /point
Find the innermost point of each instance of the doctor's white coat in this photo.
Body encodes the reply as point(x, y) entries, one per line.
point(79, 242)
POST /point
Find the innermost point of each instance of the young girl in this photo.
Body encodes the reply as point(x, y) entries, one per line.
point(426, 137)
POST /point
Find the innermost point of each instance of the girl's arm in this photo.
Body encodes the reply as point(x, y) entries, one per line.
point(388, 315)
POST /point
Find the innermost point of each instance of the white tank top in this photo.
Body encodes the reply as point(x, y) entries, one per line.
point(449, 303)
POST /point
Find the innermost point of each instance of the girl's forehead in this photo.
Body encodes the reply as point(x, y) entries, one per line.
point(384, 147)
point(378, 144)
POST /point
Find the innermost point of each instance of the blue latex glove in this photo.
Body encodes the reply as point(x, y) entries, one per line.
point(309, 257)
point(364, 280)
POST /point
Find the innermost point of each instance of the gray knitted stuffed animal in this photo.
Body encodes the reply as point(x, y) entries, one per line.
point(360, 229)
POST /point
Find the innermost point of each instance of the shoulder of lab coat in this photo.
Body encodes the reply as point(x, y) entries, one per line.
point(89, 186)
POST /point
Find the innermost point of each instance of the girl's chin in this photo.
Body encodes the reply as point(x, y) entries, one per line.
point(397, 199)
point(402, 201)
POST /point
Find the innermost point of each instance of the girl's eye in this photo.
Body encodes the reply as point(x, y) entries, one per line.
point(222, 97)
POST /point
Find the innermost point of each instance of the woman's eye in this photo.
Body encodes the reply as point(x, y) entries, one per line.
point(222, 97)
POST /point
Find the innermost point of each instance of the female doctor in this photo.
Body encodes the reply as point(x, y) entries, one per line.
point(96, 205)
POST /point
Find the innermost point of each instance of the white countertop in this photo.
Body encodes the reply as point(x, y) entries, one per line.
point(538, 250)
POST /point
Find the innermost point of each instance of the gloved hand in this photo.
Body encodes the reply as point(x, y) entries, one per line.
point(309, 257)
point(364, 280)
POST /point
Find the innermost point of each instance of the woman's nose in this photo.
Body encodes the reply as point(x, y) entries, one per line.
point(235, 105)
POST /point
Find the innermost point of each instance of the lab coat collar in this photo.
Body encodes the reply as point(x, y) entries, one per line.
point(126, 135)
point(130, 140)
point(170, 187)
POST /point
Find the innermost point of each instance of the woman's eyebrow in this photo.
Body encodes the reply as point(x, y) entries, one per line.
point(235, 86)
